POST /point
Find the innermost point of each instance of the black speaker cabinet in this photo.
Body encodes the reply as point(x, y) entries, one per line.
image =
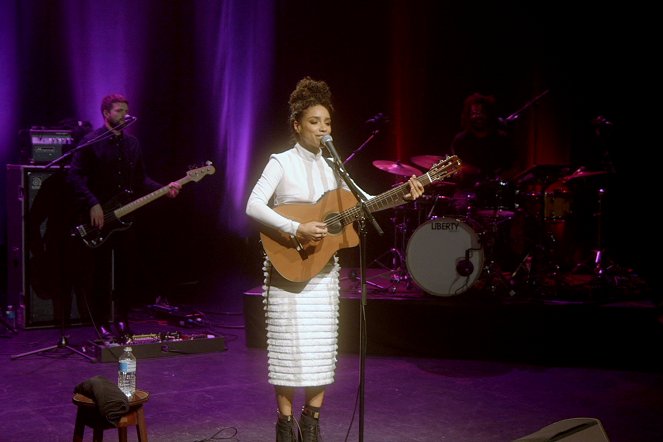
point(578, 429)
point(24, 184)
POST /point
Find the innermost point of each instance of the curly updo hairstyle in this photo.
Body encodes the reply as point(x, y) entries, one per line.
point(307, 93)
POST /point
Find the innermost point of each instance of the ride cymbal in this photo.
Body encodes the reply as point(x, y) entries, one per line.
point(396, 167)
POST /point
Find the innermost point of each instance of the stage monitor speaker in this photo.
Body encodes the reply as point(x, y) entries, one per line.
point(24, 182)
point(578, 429)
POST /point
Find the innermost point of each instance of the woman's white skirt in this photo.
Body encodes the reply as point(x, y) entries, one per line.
point(302, 327)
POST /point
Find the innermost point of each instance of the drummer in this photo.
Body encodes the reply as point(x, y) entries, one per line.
point(490, 159)
point(487, 151)
point(484, 144)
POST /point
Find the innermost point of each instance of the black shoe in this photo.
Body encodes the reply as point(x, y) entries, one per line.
point(309, 426)
point(286, 429)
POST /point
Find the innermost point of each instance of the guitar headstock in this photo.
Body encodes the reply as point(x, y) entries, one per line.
point(199, 173)
point(444, 168)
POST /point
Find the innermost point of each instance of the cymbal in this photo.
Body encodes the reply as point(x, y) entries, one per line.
point(580, 173)
point(426, 161)
point(541, 173)
point(396, 167)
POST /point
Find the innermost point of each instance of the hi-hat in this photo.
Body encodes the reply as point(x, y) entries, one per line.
point(426, 161)
point(396, 167)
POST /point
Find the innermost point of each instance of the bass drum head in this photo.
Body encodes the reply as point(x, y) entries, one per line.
point(444, 256)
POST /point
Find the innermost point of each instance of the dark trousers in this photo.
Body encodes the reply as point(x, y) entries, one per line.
point(110, 276)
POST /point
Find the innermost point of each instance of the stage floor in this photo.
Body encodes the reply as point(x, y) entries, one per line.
point(484, 397)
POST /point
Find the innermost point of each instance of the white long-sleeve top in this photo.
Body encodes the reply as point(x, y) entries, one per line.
point(294, 176)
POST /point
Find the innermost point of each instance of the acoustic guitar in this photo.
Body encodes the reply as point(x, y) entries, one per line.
point(298, 260)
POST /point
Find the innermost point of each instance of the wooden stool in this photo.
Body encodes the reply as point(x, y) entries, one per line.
point(88, 415)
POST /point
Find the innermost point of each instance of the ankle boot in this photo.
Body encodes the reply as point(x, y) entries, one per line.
point(286, 429)
point(309, 424)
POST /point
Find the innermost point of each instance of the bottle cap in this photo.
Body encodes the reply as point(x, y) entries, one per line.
point(127, 348)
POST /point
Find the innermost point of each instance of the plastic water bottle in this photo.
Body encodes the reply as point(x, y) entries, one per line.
point(126, 372)
point(11, 316)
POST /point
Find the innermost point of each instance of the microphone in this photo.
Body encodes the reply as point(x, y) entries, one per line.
point(510, 119)
point(328, 142)
point(601, 121)
point(378, 119)
point(129, 118)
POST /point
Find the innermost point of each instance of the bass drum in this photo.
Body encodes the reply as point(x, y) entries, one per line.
point(444, 256)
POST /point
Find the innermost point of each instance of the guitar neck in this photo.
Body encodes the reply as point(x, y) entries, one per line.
point(140, 202)
point(386, 200)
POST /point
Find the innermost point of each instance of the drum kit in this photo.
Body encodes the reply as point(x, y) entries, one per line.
point(450, 240)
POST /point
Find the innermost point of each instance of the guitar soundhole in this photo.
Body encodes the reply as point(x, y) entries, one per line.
point(334, 224)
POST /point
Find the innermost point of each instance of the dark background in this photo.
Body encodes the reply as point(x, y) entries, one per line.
point(415, 61)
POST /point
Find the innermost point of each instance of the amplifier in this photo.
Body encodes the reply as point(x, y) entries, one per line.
point(28, 186)
point(45, 145)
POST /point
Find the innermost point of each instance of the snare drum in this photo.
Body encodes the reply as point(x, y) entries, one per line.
point(495, 199)
point(552, 203)
point(444, 256)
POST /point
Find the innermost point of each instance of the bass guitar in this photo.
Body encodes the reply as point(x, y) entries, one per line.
point(299, 261)
point(113, 212)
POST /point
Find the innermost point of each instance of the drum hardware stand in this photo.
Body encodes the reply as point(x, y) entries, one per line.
point(601, 278)
point(538, 267)
point(599, 269)
point(398, 268)
point(491, 271)
point(606, 275)
point(538, 261)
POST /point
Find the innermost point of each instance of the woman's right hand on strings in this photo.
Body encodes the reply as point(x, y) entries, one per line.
point(312, 230)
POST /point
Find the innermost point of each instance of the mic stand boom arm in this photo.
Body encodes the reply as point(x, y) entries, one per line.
point(364, 144)
point(101, 137)
point(514, 116)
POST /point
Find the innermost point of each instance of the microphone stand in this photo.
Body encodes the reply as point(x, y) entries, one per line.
point(357, 150)
point(337, 164)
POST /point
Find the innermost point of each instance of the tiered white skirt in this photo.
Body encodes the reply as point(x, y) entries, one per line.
point(302, 327)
